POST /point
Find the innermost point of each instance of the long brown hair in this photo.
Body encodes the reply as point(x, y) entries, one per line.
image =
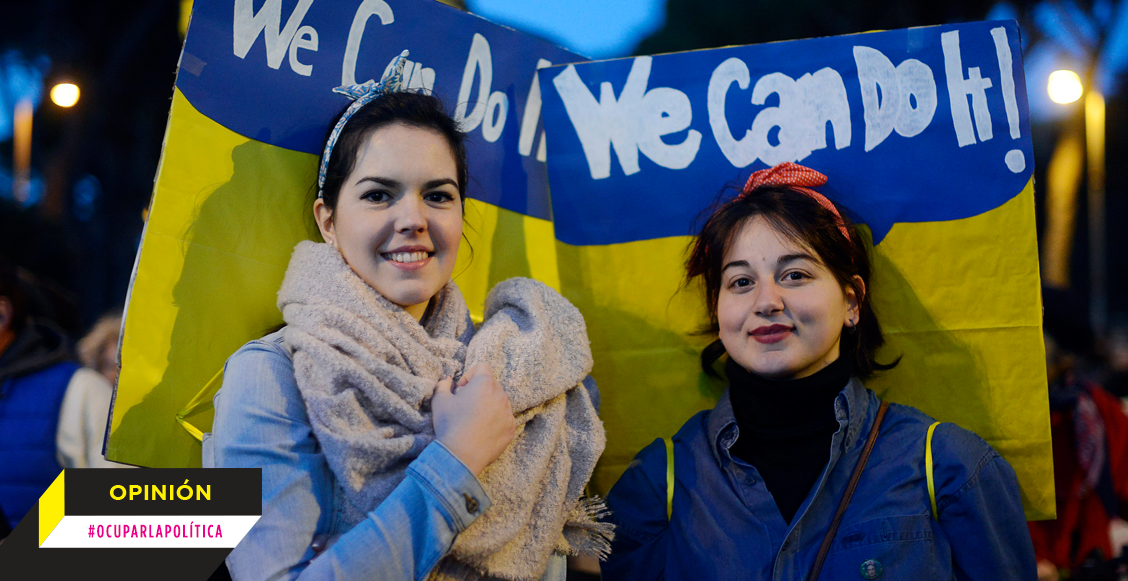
point(802, 220)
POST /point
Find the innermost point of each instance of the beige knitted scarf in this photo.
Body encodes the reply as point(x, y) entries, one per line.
point(367, 369)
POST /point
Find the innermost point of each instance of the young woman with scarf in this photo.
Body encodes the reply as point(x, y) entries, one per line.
point(800, 472)
point(397, 441)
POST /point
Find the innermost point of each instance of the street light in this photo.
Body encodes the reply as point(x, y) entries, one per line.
point(1064, 87)
point(64, 94)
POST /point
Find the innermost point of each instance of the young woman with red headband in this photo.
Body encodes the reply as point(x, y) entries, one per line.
point(800, 472)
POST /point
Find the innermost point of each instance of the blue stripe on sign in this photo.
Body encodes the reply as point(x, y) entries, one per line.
point(266, 70)
point(640, 146)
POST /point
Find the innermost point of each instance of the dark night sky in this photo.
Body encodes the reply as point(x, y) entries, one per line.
point(123, 56)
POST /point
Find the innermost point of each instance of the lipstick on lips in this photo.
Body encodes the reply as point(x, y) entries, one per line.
point(408, 257)
point(770, 333)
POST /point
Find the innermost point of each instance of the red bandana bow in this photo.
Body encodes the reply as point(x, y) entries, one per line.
point(798, 178)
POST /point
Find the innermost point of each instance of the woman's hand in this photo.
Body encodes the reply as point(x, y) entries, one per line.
point(473, 420)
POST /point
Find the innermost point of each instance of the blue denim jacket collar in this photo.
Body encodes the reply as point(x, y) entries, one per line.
point(725, 524)
point(851, 407)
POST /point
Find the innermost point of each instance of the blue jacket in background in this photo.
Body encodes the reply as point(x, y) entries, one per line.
point(34, 375)
point(725, 524)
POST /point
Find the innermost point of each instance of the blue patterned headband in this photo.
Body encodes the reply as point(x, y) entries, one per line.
point(361, 94)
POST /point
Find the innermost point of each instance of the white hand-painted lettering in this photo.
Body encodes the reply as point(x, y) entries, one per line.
point(497, 108)
point(1015, 158)
point(599, 124)
point(824, 101)
point(531, 117)
point(490, 108)
point(958, 90)
point(1006, 69)
point(899, 87)
point(664, 111)
point(805, 107)
point(367, 9)
point(248, 24)
point(740, 152)
point(306, 38)
point(479, 63)
point(901, 98)
point(634, 122)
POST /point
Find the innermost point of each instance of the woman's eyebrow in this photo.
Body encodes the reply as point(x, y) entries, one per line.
point(388, 182)
point(735, 264)
point(786, 258)
point(439, 182)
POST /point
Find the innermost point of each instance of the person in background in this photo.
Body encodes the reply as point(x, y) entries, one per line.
point(52, 410)
point(1090, 443)
point(98, 349)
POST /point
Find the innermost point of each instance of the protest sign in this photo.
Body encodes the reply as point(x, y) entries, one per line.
point(252, 104)
point(924, 134)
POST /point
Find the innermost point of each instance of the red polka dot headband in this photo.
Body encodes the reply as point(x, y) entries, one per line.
point(798, 178)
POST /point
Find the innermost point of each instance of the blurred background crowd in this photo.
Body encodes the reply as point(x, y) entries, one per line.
point(84, 97)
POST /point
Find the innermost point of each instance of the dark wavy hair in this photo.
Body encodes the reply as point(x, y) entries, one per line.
point(802, 220)
point(413, 109)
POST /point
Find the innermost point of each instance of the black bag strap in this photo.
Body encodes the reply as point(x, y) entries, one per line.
point(854, 478)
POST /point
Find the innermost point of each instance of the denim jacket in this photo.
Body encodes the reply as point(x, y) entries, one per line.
point(725, 524)
point(261, 422)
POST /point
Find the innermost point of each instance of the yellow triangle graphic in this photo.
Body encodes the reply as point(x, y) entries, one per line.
point(51, 508)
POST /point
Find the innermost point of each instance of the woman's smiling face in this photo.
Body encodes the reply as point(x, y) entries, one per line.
point(780, 310)
point(398, 220)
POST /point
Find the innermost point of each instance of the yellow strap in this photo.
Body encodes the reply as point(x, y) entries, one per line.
point(669, 476)
point(928, 468)
point(201, 402)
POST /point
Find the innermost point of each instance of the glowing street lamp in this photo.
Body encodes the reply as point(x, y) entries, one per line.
point(64, 94)
point(1064, 87)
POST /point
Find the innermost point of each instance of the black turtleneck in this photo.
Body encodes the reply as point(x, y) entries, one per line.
point(786, 427)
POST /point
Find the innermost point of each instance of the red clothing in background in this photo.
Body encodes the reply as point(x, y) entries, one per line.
point(1082, 512)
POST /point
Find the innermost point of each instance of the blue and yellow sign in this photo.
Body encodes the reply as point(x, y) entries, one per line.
point(236, 183)
point(924, 134)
